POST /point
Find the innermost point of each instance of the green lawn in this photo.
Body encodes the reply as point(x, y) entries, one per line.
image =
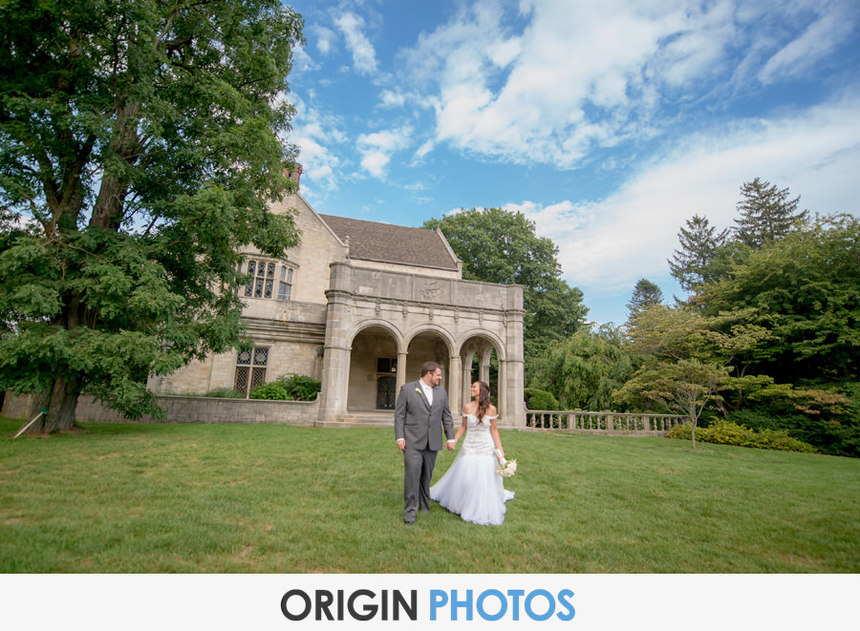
point(262, 498)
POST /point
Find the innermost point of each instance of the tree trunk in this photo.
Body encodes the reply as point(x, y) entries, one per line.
point(37, 403)
point(694, 421)
point(61, 405)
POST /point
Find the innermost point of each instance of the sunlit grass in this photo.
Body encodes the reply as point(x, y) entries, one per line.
point(263, 498)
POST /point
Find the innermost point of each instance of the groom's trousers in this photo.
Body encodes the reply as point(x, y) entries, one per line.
point(418, 470)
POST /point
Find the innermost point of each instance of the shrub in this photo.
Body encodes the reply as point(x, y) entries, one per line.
point(540, 399)
point(729, 433)
point(684, 431)
point(289, 387)
point(835, 437)
point(756, 419)
point(300, 387)
point(225, 393)
point(273, 391)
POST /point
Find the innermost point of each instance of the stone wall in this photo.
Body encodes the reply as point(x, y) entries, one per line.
point(182, 409)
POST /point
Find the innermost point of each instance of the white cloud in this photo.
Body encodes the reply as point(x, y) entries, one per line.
point(422, 151)
point(606, 246)
point(377, 148)
point(317, 135)
point(324, 38)
point(802, 54)
point(302, 62)
point(392, 98)
point(561, 78)
point(375, 162)
point(363, 53)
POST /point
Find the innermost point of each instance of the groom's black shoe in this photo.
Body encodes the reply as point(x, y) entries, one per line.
point(409, 523)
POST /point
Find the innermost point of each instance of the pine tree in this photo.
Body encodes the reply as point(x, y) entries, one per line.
point(699, 243)
point(767, 213)
point(645, 294)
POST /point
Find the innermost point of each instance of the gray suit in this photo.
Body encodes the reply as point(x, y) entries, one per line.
point(420, 424)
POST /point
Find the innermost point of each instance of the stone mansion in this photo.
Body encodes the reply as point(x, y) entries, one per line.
point(361, 305)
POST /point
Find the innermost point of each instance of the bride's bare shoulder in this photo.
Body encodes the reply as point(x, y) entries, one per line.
point(470, 408)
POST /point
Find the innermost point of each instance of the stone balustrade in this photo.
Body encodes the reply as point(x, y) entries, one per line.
point(629, 423)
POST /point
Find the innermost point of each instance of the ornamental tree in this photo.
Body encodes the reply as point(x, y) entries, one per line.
point(685, 387)
point(140, 142)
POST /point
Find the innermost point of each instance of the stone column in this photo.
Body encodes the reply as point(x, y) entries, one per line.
point(455, 394)
point(514, 379)
point(336, 358)
point(401, 369)
point(501, 395)
point(484, 371)
point(512, 393)
point(465, 380)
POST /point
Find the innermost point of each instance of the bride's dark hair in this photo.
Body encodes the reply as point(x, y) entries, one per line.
point(483, 400)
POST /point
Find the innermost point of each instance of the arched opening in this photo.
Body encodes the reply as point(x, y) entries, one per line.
point(373, 371)
point(480, 363)
point(428, 346)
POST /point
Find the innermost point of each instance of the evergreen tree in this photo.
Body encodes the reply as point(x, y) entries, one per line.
point(700, 242)
point(767, 213)
point(645, 294)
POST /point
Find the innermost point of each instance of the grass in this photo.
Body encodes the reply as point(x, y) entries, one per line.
point(263, 498)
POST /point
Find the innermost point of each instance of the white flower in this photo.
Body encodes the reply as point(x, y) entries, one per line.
point(506, 468)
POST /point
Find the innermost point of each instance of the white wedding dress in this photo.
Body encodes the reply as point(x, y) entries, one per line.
point(471, 487)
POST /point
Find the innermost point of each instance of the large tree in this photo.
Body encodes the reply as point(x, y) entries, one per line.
point(767, 213)
point(500, 246)
point(140, 141)
point(804, 290)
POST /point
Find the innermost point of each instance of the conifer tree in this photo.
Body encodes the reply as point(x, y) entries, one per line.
point(700, 242)
point(767, 213)
point(645, 294)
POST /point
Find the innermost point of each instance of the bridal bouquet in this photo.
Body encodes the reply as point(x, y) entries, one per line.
point(505, 468)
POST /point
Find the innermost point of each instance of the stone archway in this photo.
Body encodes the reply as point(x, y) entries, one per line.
point(368, 305)
point(373, 367)
point(428, 345)
point(481, 362)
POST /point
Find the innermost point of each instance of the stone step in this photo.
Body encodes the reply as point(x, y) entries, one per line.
point(361, 419)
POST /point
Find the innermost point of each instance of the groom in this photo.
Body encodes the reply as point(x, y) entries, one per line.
point(421, 411)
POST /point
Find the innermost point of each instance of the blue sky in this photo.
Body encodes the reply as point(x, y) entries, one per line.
point(608, 123)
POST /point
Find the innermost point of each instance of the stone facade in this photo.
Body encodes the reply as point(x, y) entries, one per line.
point(411, 318)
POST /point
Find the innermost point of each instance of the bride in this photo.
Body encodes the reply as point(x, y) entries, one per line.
point(471, 487)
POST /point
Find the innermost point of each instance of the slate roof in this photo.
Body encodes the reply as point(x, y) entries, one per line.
point(387, 243)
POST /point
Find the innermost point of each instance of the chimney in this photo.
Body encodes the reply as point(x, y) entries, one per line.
point(294, 172)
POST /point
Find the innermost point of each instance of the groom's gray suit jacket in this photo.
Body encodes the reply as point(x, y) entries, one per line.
point(420, 423)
